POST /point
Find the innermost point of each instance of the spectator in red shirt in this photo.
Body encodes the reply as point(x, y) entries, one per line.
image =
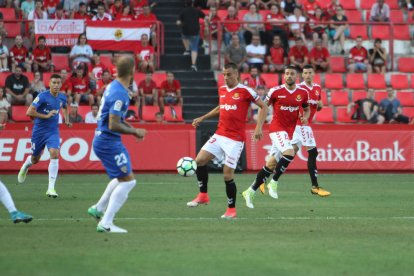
point(319, 57)
point(211, 25)
point(147, 15)
point(358, 58)
point(170, 92)
point(66, 87)
point(80, 85)
point(19, 55)
point(276, 25)
point(137, 6)
point(102, 15)
point(59, 13)
point(98, 67)
point(126, 14)
point(330, 9)
point(81, 13)
point(298, 54)
point(102, 84)
point(148, 91)
point(277, 57)
point(310, 6)
point(51, 6)
point(232, 28)
point(318, 27)
point(254, 80)
point(116, 9)
point(144, 55)
point(42, 57)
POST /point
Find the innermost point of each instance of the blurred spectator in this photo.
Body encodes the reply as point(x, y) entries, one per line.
point(98, 68)
point(366, 109)
point(116, 9)
point(277, 57)
point(144, 55)
point(318, 27)
point(298, 54)
point(319, 57)
point(380, 12)
point(390, 109)
point(4, 107)
point(148, 91)
point(407, 4)
point(358, 58)
point(309, 7)
point(4, 56)
point(92, 7)
point(18, 88)
point(81, 12)
point(378, 57)
point(189, 22)
point(254, 80)
point(101, 15)
point(73, 6)
point(74, 116)
point(251, 29)
point(80, 86)
point(59, 13)
point(330, 9)
point(297, 29)
point(338, 31)
point(66, 87)
point(159, 118)
point(92, 116)
point(137, 6)
point(126, 14)
point(236, 54)
point(170, 92)
point(3, 31)
point(102, 84)
point(254, 109)
point(50, 6)
point(231, 29)
point(42, 57)
point(256, 54)
point(134, 93)
point(81, 52)
point(147, 15)
point(37, 13)
point(27, 7)
point(211, 26)
point(37, 86)
point(290, 6)
point(276, 25)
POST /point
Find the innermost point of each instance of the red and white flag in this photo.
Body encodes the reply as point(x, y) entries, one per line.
point(115, 35)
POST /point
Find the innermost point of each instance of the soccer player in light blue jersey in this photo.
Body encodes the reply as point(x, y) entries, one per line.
point(16, 215)
point(45, 111)
point(108, 147)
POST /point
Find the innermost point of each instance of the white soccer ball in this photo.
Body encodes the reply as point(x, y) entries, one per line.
point(186, 166)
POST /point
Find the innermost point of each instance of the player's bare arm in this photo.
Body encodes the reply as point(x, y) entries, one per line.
point(264, 109)
point(213, 113)
point(306, 113)
point(140, 132)
point(31, 111)
point(116, 125)
point(66, 116)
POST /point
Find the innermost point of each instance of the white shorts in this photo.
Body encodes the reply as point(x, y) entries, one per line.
point(280, 143)
point(303, 136)
point(224, 148)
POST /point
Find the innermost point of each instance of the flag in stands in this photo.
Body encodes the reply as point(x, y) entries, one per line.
point(115, 36)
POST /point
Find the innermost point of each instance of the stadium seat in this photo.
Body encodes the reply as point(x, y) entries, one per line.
point(396, 16)
point(337, 64)
point(169, 113)
point(399, 81)
point(380, 95)
point(366, 4)
point(408, 111)
point(138, 77)
point(348, 4)
point(46, 78)
point(60, 62)
point(19, 113)
point(8, 14)
point(271, 80)
point(406, 98)
point(354, 16)
point(355, 81)
point(406, 64)
point(13, 29)
point(358, 95)
point(148, 112)
point(401, 32)
point(358, 30)
point(3, 77)
point(29, 75)
point(83, 110)
point(342, 115)
point(317, 79)
point(376, 81)
point(340, 98)
point(325, 115)
point(333, 81)
point(380, 31)
point(393, 4)
point(159, 77)
point(106, 60)
point(324, 98)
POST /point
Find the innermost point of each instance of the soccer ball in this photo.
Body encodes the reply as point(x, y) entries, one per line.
point(186, 166)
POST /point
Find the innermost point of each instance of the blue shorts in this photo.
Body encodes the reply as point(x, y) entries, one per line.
point(333, 32)
point(360, 66)
point(194, 40)
point(114, 156)
point(51, 140)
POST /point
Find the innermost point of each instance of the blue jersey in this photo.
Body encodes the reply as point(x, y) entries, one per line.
point(115, 101)
point(44, 103)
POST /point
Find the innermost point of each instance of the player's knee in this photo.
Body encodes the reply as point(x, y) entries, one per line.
point(271, 163)
point(290, 152)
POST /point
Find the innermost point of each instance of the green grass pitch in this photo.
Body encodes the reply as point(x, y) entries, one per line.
point(366, 227)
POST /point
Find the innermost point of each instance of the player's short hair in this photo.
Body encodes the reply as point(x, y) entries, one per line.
point(307, 66)
point(55, 76)
point(125, 66)
point(231, 65)
point(291, 67)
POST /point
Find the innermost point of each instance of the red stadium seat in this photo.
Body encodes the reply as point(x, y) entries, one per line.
point(402, 32)
point(3, 77)
point(83, 110)
point(355, 81)
point(380, 95)
point(396, 16)
point(138, 77)
point(408, 111)
point(406, 64)
point(8, 14)
point(169, 113)
point(19, 113)
point(333, 81)
point(348, 4)
point(325, 115)
point(60, 62)
point(380, 31)
point(366, 4)
point(317, 79)
point(399, 81)
point(46, 78)
point(159, 77)
point(340, 98)
point(337, 64)
point(324, 98)
point(358, 30)
point(393, 4)
point(148, 112)
point(342, 115)
point(13, 29)
point(358, 95)
point(406, 98)
point(354, 16)
point(271, 80)
point(376, 81)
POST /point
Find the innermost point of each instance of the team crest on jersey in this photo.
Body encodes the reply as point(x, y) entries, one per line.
point(298, 98)
point(236, 96)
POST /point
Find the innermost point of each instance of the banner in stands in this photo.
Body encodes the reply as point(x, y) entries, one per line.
point(59, 32)
point(115, 35)
point(160, 150)
point(348, 148)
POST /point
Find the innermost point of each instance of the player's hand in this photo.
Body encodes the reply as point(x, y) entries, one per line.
point(52, 113)
point(258, 134)
point(197, 121)
point(140, 133)
point(303, 120)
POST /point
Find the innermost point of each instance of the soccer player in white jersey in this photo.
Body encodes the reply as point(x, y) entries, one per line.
point(15, 215)
point(228, 141)
point(286, 100)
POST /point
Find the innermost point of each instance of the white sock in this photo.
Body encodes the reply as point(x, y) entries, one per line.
point(103, 201)
point(28, 163)
point(117, 199)
point(6, 198)
point(53, 171)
